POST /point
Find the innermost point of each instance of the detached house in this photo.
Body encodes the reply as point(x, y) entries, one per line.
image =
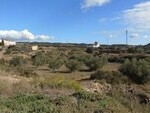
point(7, 43)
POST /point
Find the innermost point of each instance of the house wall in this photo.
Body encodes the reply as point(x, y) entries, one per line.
point(34, 48)
point(9, 43)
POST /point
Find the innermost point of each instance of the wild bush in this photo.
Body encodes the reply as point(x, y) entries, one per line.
point(74, 65)
point(17, 61)
point(27, 104)
point(116, 59)
point(55, 63)
point(57, 82)
point(81, 57)
point(136, 70)
point(17, 49)
point(95, 63)
point(90, 50)
point(113, 77)
point(87, 96)
point(39, 59)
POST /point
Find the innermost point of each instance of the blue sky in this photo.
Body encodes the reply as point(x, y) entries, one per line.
point(78, 21)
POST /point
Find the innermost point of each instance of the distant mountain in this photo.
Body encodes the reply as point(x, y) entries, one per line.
point(56, 44)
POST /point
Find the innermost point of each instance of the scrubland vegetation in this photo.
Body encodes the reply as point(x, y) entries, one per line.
point(74, 79)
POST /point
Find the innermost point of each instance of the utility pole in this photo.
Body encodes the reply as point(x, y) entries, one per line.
point(126, 37)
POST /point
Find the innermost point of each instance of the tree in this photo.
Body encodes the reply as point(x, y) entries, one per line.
point(39, 59)
point(95, 63)
point(17, 61)
point(137, 70)
point(2, 42)
point(55, 63)
point(90, 50)
point(74, 65)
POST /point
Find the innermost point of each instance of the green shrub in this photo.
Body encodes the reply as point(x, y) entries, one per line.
point(101, 101)
point(90, 50)
point(17, 61)
point(39, 59)
point(84, 58)
point(87, 96)
point(17, 49)
point(57, 82)
point(95, 63)
point(74, 65)
point(117, 59)
point(55, 63)
point(28, 104)
point(136, 70)
point(113, 77)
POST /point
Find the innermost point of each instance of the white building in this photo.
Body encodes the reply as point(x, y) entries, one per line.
point(96, 45)
point(34, 48)
point(8, 43)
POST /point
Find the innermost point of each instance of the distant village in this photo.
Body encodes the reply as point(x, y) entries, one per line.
point(7, 43)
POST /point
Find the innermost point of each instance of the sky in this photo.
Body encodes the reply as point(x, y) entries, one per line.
point(76, 21)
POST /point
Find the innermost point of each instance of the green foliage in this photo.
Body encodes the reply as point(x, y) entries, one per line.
point(87, 96)
point(39, 59)
point(90, 50)
point(27, 104)
point(17, 61)
point(57, 82)
point(62, 100)
point(136, 70)
point(79, 102)
point(81, 57)
point(10, 49)
point(17, 49)
point(115, 58)
point(55, 63)
point(97, 102)
point(74, 65)
point(95, 63)
point(113, 77)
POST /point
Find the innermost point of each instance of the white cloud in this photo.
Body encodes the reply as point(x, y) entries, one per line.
point(23, 35)
point(93, 3)
point(138, 17)
point(146, 36)
point(112, 36)
point(134, 35)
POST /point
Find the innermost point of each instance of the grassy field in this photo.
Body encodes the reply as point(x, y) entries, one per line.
point(29, 85)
